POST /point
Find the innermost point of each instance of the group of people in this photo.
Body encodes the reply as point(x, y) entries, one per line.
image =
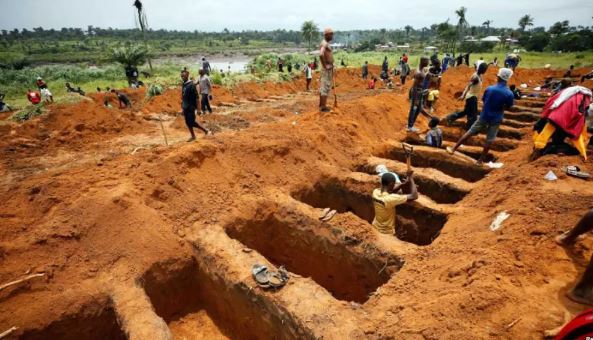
point(43, 93)
point(195, 97)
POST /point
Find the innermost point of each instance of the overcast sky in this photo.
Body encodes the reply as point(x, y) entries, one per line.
point(214, 15)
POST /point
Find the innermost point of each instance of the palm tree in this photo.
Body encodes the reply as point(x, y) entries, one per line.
point(309, 30)
point(143, 24)
point(383, 35)
point(408, 28)
point(525, 21)
point(134, 55)
point(486, 24)
point(461, 23)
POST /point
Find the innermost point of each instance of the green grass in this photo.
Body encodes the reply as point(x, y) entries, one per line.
point(16, 82)
point(529, 59)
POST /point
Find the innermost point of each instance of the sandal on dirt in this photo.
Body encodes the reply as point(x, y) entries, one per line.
point(329, 216)
point(260, 275)
point(324, 213)
point(267, 279)
point(575, 171)
point(450, 150)
point(278, 279)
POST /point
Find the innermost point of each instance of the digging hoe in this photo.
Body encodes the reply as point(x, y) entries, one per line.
point(334, 86)
point(408, 149)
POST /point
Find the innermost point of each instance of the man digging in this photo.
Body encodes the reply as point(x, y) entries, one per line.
point(496, 99)
point(386, 198)
point(327, 69)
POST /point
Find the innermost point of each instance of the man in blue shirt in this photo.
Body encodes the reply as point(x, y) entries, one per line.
point(496, 99)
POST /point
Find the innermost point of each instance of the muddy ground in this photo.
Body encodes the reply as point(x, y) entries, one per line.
point(139, 240)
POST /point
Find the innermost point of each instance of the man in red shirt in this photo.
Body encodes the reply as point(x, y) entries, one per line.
point(45, 93)
point(33, 97)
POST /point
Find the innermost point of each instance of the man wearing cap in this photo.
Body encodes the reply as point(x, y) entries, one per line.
point(386, 198)
point(327, 69)
point(496, 99)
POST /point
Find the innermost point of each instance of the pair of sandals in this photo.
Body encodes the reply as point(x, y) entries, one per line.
point(268, 279)
point(575, 171)
point(327, 214)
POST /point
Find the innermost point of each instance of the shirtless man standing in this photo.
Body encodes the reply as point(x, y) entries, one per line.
point(327, 69)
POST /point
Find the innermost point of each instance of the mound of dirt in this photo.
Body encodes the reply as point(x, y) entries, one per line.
point(119, 222)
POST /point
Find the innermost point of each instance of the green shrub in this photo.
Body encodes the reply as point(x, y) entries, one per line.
point(28, 113)
point(154, 90)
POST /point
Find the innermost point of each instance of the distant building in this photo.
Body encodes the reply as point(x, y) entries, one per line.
point(430, 49)
point(405, 47)
point(491, 38)
point(337, 46)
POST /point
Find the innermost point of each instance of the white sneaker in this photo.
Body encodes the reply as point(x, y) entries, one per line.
point(413, 129)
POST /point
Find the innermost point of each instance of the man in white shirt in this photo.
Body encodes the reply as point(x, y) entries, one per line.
point(206, 92)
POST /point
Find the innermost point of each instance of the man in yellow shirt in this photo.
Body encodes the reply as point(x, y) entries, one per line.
point(387, 198)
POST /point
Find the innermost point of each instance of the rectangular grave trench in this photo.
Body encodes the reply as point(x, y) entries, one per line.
point(197, 306)
point(344, 273)
point(440, 161)
point(92, 322)
point(415, 223)
point(437, 189)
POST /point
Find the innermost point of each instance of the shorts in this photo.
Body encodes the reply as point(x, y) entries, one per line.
point(45, 93)
point(325, 83)
point(491, 129)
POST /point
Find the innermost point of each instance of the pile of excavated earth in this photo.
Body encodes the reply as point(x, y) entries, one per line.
point(121, 236)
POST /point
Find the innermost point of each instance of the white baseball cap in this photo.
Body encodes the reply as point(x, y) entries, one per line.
point(505, 74)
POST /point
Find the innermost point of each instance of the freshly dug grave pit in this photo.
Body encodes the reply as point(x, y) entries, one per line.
point(426, 157)
point(500, 144)
point(347, 275)
point(91, 322)
point(428, 181)
point(415, 223)
point(196, 306)
point(503, 132)
point(473, 151)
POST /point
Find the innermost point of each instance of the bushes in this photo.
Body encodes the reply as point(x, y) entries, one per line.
point(28, 113)
point(154, 90)
point(536, 42)
point(473, 47)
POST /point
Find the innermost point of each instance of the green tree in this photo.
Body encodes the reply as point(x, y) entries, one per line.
point(461, 23)
point(309, 30)
point(134, 55)
point(560, 27)
point(408, 28)
point(525, 21)
point(486, 24)
point(143, 25)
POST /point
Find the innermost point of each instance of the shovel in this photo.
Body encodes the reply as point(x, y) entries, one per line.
point(408, 149)
point(334, 86)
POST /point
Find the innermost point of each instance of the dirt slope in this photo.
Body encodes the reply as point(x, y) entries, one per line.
point(94, 199)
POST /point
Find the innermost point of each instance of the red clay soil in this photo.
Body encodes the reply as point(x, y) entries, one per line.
point(86, 205)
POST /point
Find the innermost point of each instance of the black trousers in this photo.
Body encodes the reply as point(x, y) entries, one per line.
point(206, 103)
point(190, 120)
point(470, 110)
